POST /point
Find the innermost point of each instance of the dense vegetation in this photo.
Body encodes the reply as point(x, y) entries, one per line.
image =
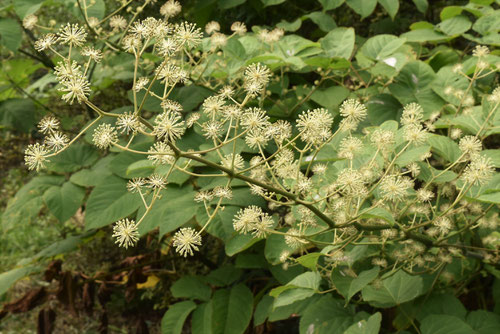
point(243, 166)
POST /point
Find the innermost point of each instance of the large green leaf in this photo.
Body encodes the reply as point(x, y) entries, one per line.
point(362, 7)
point(74, 158)
point(17, 114)
point(414, 78)
point(348, 286)
point(395, 290)
point(191, 287)
point(331, 4)
point(445, 324)
point(201, 321)
point(455, 26)
point(391, 6)
point(422, 5)
point(326, 316)
point(330, 97)
point(445, 147)
point(381, 46)
point(173, 320)
point(10, 277)
point(484, 322)
point(26, 7)
point(28, 201)
point(383, 107)
point(10, 34)
point(370, 326)
point(324, 21)
point(110, 202)
point(175, 207)
point(339, 43)
point(232, 310)
point(64, 201)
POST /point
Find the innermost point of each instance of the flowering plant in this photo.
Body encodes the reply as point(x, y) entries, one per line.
point(373, 174)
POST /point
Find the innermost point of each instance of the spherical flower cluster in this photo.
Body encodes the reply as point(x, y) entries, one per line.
point(45, 42)
point(252, 219)
point(30, 21)
point(479, 171)
point(48, 124)
point(315, 125)
point(349, 146)
point(169, 125)
point(239, 28)
point(170, 9)
point(254, 118)
point(161, 154)
point(353, 111)
point(125, 232)
point(186, 240)
point(229, 161)
point(256, 78)
point(128, 122)
point(104, 136)
point(188, 35)
point(395, 187)
point(470, 146)
point(72, 34)
point(293, 238)
point(35, 156)
point(56, 140)
point(412, 114)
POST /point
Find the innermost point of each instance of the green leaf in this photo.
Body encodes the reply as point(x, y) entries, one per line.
point(232, 310)
point(339, 43)
point(444, 324)
point(381, 46)
point(26, 204)
point(391, 6)
point(450, 11)
point(8, 278)
point(378, 213)
point(383, 107)
point(226, 4)
point(201, 321)
point(308, 280)
point(64, 201)
point(74, 158)
point(455, 26)
point(275, 244)
point(362, 7)
point(422, 5)
point(262, 310)
point(24, 8)
point(494, 155)
point(331, 4)
point(488, 23)
point(413, 79)
point(290, 296)
point(268, 3)
point(290, 26)
point(94, 176)
point(370, 326)
point(395, 290)
point(326, 316)
point(324, 21)
point(484, 322)
point(330, 97)
point(110, 202)
point(173, 320)
point(224, 276)
point(412, 155)
point(348, 286)
point(441, 304)
point(96, 8)
point(424, 36)
point(238, 243)
point(17, 114)
point(175, 207)
point(191, 287)
point(309, 260)
point(445, 147)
